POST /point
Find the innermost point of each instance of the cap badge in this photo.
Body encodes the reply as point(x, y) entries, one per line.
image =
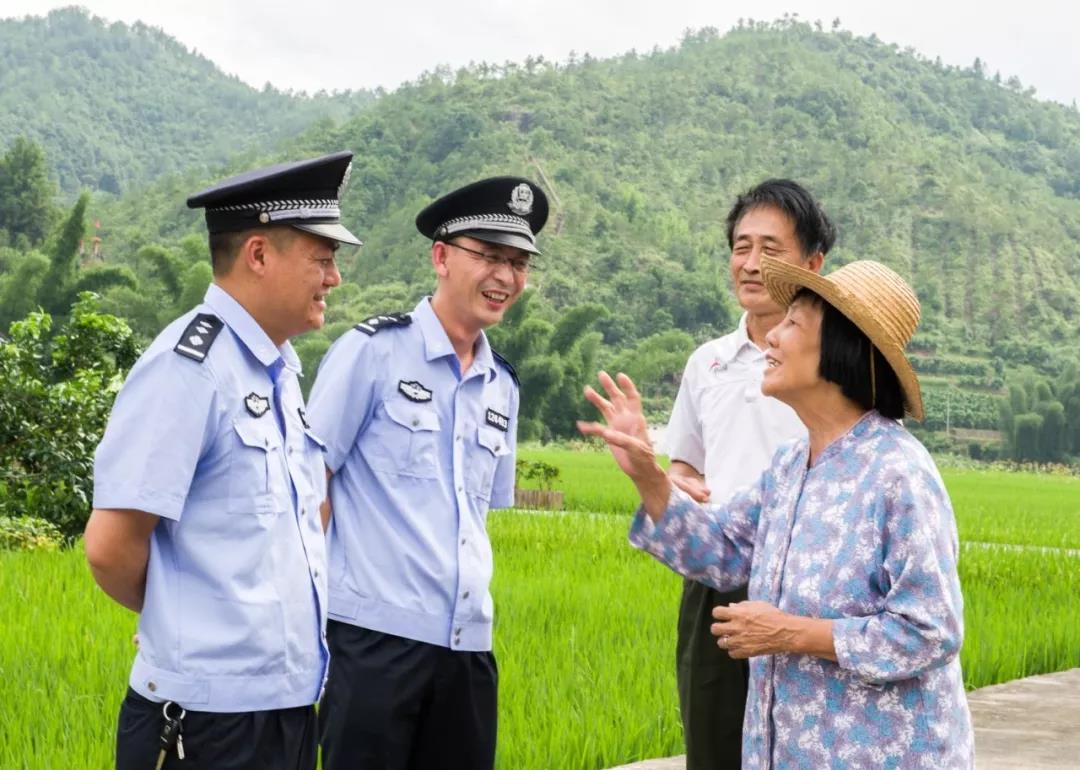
point(257, 405)
point(521, 200)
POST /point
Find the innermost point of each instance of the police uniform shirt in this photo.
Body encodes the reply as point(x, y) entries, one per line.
point(419, 452)
point(216, 446)
point(722, 424)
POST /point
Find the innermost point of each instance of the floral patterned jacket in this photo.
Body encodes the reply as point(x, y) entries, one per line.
point(865, 537)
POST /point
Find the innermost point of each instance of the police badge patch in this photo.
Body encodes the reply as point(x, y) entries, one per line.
point(496, 420)
point(414, 391)
point(521, 200)
point(256, 405)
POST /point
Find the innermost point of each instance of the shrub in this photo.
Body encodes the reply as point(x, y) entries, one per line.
point(28, 533)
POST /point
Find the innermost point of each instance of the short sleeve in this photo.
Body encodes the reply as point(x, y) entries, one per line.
point(341, 398)
point(502, 492)
point(161, 423)
point(684, 440)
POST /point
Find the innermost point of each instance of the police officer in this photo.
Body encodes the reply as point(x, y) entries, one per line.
point(207, 486)
point(419, 417)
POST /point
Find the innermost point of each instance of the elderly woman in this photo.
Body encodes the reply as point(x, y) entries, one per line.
point(848, 539)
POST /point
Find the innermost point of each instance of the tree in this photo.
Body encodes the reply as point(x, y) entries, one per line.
point(55, 396)
point(1026, 430)
point(26, 193)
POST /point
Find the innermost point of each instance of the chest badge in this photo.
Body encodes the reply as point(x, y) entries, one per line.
point(414, 391)
point(496, 420)
point(256, 405)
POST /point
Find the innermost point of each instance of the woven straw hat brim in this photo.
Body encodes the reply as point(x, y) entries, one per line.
point(858, 303)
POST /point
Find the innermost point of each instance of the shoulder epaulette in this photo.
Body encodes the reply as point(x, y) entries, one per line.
point(379, 322)
point(199, 335)
point(509, 368)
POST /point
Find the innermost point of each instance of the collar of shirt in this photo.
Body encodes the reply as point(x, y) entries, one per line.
point(248, 331)
point(437, 344)
point(732, 345)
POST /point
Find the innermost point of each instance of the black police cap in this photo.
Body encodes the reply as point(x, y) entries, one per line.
point(304, 194)
point(507, 210)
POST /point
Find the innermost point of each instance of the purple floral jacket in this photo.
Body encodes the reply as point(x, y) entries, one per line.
point(865, 537)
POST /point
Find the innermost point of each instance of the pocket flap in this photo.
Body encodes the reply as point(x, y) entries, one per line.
point(492, 439)
point(261, 433)
point(412, 416)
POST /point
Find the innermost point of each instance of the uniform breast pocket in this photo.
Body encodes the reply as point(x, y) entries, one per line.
point(403, 438)
point(492, 445)
point(257, 482)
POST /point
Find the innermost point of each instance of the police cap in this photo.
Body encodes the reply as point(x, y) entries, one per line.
point(506, 210)
point(303, 194)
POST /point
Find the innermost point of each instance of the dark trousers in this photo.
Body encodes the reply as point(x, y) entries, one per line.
point(285, 739)
point(399, 704)
point(712, 685)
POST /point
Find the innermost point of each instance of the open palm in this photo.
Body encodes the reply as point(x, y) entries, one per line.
point(624, 428)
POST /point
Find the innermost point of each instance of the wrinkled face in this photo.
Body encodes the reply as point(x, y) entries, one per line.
point(793, 355)
point(762, 231)
point(479, 280)
point(300, 271)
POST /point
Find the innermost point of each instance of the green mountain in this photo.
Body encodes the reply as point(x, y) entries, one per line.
point(117, 106)
point(963, 183)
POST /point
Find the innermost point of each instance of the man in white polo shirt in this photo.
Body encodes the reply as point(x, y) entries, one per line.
point(720, 398)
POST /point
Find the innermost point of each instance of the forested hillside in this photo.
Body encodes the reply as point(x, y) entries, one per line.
point(965, 184)
point(116, 106)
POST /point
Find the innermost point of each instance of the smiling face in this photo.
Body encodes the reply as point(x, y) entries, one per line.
point(763, 231)
point(476, 290)
point(300, 271)
point(793, 355)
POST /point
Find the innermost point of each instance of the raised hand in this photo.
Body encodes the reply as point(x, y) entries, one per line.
point(627, 436)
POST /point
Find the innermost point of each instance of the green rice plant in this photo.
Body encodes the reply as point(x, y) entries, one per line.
point(585, 630)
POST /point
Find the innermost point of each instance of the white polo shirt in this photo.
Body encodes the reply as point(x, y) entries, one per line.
point(721, 423)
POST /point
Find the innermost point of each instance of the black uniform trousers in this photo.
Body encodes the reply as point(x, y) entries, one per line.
point(712, 685)
point(398, 704)
point(282, 739)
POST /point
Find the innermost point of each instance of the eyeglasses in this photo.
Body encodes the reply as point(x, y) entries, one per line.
point(517, 264)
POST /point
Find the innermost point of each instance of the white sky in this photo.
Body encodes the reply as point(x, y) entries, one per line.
point(341, 44)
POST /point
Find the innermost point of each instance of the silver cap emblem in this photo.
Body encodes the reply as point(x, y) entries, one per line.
point(521, 200)
point(344, 181)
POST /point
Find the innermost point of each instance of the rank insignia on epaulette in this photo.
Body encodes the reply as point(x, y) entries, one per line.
point(378, 322)
point(199, 335)
point(509, 368)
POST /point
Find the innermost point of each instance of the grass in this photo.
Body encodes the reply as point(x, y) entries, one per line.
point(585, 626)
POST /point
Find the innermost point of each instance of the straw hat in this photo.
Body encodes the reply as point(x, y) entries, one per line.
point(872, 297)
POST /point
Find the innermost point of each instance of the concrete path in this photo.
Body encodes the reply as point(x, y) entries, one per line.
point(1027, 724)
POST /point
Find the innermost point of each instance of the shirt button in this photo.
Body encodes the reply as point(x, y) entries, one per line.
point(415, 422)
point(457, 631)
point(458, 437)
point(290, 450)
point(315, 573)
point(465, 595)
point(460, 489)
point(463, 541)
point(303, 511)
point(151, 686)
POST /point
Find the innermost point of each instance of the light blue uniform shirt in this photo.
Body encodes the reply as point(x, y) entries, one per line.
point(235, 606)
point(419, 453)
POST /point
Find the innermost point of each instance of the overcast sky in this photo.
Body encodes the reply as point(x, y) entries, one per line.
point(362, 44)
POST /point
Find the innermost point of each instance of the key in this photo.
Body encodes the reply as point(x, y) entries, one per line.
point(170, 734)
point(180, 743)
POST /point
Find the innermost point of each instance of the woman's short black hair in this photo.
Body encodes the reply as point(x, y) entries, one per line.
point(845, 360)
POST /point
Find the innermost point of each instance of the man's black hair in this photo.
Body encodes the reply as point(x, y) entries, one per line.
point(812, 227)
point(845, 360)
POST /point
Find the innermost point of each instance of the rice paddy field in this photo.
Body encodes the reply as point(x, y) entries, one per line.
point(585, 625)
